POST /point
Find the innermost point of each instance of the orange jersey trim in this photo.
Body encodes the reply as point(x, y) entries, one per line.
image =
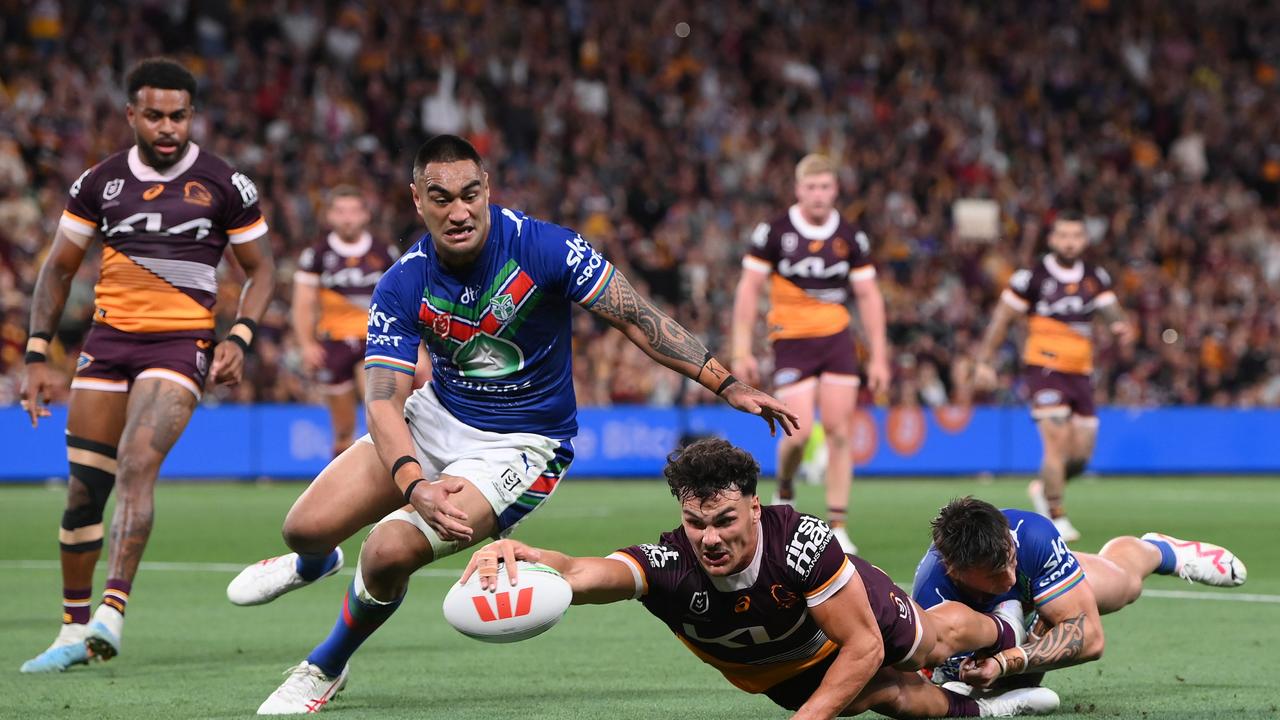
point(133, 299)
point(839, 572)
point(796, 314)
point(89, 224)
point(759, 678)
point(247, 228)
point(1052, 344)
point(635, 564)
point(340, 319)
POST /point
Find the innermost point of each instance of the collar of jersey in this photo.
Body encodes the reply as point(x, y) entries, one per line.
point(146, 173)
point(747, 576)
point(1073, 274)
point(808, 230)
point(355, 249)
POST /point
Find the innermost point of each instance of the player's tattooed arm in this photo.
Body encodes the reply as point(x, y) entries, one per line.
point(670, 344)
point(53, 284)
point(1062, 645)
point(662, 338)
point(1114, 316)
point(381, 384)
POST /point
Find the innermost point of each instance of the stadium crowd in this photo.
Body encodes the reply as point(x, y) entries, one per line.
point(665, 132)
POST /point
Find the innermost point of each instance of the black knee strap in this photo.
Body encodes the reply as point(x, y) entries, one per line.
point(97, 483)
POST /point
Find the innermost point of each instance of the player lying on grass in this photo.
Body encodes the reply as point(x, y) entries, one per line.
point(489, 291)
point(982, 556)
point(765, 596)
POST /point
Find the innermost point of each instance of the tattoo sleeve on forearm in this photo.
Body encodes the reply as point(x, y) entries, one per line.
point(665, 336)
point(1060, 646)
point(380, 383)
point(1111, 313)
point(52, 288)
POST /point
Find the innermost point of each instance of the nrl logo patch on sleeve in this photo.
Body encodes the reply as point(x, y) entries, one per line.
point(811, 538)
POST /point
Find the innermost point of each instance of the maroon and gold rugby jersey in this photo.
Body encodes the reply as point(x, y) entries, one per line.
point(1061, 302)
point(810, 269)
point(346, 274)
point(753, 626)
point(163, 233)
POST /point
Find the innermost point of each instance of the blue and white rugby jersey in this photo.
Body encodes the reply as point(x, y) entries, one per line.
point(499, 333)
point(1046, 569)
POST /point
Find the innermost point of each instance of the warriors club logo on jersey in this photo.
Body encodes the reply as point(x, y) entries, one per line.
point(504, 308)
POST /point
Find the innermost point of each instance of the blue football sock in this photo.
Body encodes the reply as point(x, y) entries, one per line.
point(356, 622)
point(1168, 560)
point(311, 567)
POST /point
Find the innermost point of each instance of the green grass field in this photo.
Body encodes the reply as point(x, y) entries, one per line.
point(189, 653)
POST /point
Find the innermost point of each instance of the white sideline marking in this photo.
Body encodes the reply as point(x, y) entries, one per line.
point(198, 567)
point(447, 573)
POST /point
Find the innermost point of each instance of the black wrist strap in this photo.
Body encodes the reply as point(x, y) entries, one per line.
point(405, 460)
point(34, 357)
point(239, 341)
point(725, 385)
point(249, 323)
point(408, 492)
point(42, 335)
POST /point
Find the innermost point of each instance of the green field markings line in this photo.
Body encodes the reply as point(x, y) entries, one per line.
point(455, 573)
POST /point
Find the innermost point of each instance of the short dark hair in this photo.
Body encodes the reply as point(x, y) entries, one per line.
point(708, 467)
point(444, 148)
point(1068, 214)
point(161, 73)
point(971, 534)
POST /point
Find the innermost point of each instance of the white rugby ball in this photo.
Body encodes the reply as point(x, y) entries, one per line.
point(512, 613)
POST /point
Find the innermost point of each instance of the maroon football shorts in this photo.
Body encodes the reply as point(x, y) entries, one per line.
point(795, 359)
point(1058, 394)
point(111, 360)
point(340, 360)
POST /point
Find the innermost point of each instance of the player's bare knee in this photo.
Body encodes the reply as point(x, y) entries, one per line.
point(394, 551)
point(303, 536)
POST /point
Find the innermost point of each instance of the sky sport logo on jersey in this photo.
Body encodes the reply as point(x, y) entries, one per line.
point(379, 320)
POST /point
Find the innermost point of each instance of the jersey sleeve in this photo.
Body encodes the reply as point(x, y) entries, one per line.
point(1018, 295)
point(308, 272)
point(83, 214)
point(1053, 570)
point(1106, 295)
point(930, 586)
point(654, 567)
point(243, 218)
point(561, 261)
point(762, 251)
point(861, 266)
point(815, 563)
point(393, 336)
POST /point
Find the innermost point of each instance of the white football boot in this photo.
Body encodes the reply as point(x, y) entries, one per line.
point(305, 691)
point(68, 649)
point(1023, 701)
point(1035, 491)
point(105, 631)
point(267, 580)
point(842, 537)
point(1203, 562)
point(1066, 529)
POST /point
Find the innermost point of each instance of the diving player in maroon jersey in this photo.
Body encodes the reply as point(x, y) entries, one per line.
point(765, 596)
point(1061, 294)
point(812, 259)
point(331, 291)
point(165, 210)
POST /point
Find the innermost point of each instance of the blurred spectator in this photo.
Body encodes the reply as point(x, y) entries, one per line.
point(1161, 120)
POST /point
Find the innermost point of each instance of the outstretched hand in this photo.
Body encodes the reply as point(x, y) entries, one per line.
point(485, 562)
point(750, 400)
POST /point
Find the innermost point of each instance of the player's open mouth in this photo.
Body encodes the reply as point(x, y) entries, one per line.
point(460, 234)
point(166, 147)
point(715, 558)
